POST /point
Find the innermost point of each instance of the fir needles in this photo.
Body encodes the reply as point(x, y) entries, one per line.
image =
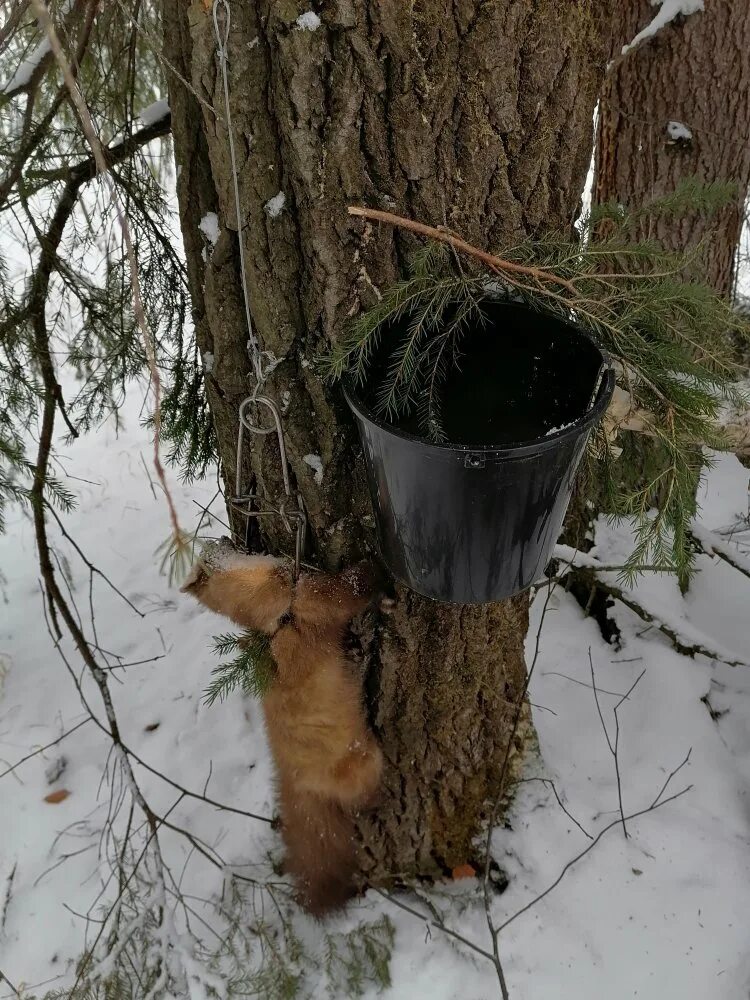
point(251, 669)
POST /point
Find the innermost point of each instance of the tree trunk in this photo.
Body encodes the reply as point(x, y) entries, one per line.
point(470, 114)
point(694, 73)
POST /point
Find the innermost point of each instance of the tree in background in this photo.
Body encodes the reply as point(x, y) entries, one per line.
point(675, 106)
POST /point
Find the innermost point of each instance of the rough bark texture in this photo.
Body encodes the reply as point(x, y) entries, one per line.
point(695, 71)
point(468, 113)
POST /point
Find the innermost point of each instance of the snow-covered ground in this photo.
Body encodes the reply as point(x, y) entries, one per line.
point(662, 915)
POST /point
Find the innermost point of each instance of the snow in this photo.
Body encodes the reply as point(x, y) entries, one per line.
point(668, 11)
point(677, 131)
point(316, 464)
point(154, 112)
point(562, 427)
point(275, 206)
point(208, 362)
point(660, 915)
point(309, 21)
point(209, 226)
point(26, 69)
point(714, 544)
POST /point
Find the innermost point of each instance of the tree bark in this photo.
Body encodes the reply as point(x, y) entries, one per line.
point(466, 113)
point(694, 72)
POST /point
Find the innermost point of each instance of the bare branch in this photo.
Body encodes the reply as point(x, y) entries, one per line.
point(670, 776)
point(550, 782)
point(614, 747)
point(47, 746)
point(583, 853)
point(438, 924)
point(497, 264)
point(4, 979)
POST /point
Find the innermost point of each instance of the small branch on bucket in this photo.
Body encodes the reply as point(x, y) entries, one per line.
point(623, 414)
point(497, 264)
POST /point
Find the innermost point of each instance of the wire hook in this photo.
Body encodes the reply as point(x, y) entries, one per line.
point(286, 516)
point(222, 40)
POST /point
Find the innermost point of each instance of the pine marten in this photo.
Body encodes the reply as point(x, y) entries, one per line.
point(328, 763)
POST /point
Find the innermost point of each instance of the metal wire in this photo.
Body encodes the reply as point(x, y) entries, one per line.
point(240, 500)
point(222, 37)
point(278, 427)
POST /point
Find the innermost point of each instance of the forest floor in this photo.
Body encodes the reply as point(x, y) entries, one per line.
point(660, 915)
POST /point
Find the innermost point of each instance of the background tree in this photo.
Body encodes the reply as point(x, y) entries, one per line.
point(677, 106)
point(469, 115)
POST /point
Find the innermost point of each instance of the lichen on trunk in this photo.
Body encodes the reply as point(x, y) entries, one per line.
point(469, 114)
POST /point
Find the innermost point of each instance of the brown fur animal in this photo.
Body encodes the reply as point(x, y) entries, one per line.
point(327, 761)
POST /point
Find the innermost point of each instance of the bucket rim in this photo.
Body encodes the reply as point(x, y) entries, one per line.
point(517, 448)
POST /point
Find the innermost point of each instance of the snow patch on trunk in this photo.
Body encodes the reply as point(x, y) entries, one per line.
point(209, 226)
point(668, 11)
point(677, 131)
point(275, 206)
point(316, 464)
point(309, 21)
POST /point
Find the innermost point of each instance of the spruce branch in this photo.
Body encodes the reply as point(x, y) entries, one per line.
point(496, 264)
point(252, 668)
point(92, 137)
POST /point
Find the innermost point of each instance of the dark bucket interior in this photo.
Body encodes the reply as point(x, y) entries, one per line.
point(520, 376)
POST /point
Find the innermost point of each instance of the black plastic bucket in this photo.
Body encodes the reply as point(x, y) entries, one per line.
point(476, 520)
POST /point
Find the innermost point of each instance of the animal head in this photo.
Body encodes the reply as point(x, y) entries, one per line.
point(253, 591)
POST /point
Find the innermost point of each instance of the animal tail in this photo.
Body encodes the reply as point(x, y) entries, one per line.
point(321, 855)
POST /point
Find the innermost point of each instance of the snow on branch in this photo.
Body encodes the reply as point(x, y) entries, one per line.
point(154, 112)
point(668, 11)
point(25, 71)
point(685, 637)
